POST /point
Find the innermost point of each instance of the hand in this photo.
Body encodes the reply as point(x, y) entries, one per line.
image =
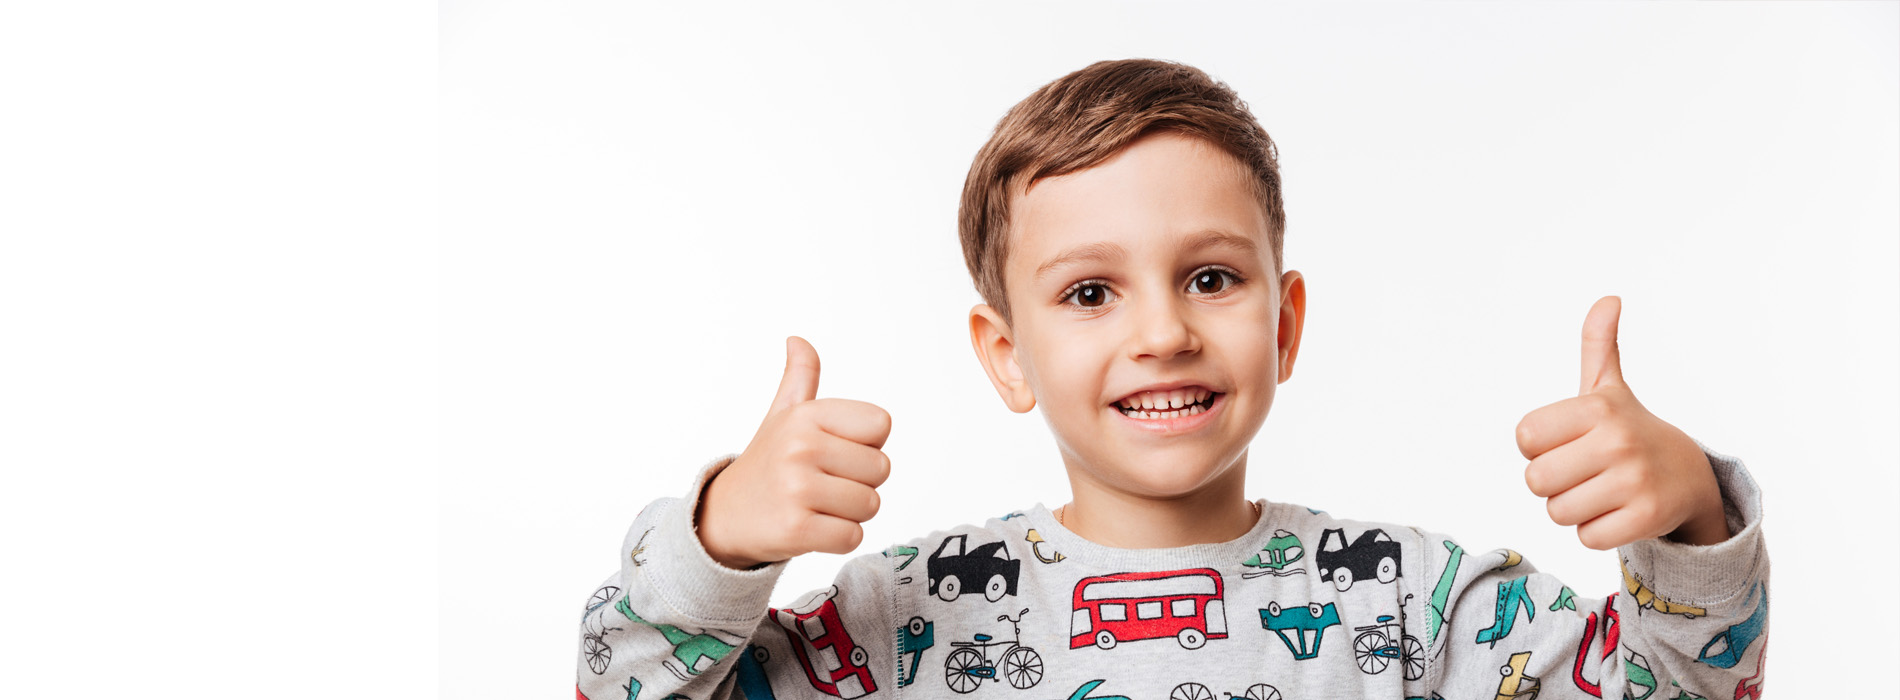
point(1608, 466)
point(807, 479)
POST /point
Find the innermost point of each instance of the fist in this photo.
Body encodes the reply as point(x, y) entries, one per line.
point(1608, 466)
point(807, 479)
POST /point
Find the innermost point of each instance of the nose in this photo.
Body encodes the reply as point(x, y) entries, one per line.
point(1162, 331)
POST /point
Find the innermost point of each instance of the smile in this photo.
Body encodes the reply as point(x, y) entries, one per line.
point(1167, 405)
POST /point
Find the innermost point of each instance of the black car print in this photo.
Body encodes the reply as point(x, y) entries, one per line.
point(988, 568)
point(1372, 555)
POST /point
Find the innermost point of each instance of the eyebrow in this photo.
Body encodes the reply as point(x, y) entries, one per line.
point(1109, 252)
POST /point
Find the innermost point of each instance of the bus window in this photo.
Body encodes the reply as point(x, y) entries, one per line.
point(1149, 610)
point(1114, 611)
point(1183, 607)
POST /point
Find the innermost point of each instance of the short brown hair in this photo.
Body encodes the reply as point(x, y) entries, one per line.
point(1083, 118)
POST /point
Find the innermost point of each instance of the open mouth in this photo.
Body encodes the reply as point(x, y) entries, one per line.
point(1164, 405)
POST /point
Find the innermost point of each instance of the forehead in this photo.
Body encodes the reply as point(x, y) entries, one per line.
point(1157, 192)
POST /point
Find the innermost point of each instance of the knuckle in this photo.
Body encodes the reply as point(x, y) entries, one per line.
point(800, 487)
point(1526, 433)
point(1558, 513)
point(806, 411)
point(801, 449)
point(1589, 538)
point(1639, 481)
point(789, 530)
point(1644, 509)
point(1621, 445)
point(810, 536)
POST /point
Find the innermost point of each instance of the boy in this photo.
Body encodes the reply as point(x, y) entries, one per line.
point(1124, 227)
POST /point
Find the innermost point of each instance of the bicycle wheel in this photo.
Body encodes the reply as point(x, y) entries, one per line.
point(1191, 691)
point(1262, 691)
point(1412, 657)
point(603, 596)
point(598, 655)
point(1023, 667)
point(1365, 650)
point(957, 670)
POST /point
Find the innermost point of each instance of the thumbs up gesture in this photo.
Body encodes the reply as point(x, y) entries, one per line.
point(807, 479)
point(1608, 466)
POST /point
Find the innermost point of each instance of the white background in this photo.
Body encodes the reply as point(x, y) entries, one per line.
point(249, 400)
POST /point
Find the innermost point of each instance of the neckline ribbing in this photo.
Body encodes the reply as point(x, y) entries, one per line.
point(1223, 556)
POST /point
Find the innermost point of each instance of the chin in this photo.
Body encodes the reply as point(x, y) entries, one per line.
point(1164, 474)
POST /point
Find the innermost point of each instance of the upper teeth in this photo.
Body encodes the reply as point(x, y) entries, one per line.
point(1177, 398)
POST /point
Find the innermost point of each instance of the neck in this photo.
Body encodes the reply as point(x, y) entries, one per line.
point(1219, 512)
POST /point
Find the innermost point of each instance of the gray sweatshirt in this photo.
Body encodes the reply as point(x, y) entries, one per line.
point(1305, 605)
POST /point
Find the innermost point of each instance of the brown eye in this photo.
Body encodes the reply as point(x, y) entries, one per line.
point(1210, 281)
point(1090, 295)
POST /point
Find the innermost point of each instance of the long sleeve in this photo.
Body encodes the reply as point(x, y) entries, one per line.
point(1688, 622)
point(673, 624)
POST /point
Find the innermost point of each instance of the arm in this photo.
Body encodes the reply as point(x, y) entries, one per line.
point(675, 622)
point(1688, 621)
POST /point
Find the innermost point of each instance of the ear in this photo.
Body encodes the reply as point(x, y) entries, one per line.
point(1292, 320)
point(990, 337)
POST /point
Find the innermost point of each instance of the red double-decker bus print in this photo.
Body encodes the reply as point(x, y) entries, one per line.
point(1185, 604)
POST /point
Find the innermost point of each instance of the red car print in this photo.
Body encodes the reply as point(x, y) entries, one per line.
point(1185, 604)
point(816, 630)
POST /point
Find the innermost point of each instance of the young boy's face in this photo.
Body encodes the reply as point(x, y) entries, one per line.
point(1151, 269)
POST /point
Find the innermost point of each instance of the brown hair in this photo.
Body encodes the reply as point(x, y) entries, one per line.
point(1083, 118)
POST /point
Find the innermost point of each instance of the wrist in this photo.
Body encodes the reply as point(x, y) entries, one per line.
point(713, 550)
point(1708, 527)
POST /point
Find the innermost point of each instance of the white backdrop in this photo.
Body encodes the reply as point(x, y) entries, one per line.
point(640, 204)
point(243, 385)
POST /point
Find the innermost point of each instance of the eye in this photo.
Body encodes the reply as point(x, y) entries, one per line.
point(1213, 280)
point(1087, 293)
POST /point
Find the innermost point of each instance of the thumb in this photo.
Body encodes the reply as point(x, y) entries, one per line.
point(800, 383)
point(1601, 364)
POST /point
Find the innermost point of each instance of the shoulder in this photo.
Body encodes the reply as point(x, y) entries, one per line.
point(1001, 537)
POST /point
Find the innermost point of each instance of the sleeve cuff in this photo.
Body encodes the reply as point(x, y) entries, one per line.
point(1704, 575)
point(677, 563)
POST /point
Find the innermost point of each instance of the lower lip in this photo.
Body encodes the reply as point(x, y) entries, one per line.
point(1175, 426)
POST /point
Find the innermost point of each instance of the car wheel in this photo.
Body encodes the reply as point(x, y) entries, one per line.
point(916, 627)
point(947, 588)
point(996, 588)
point(1388, 570)
point(1191, 638)
point(1342, 579)
point(760, 655)
point(1315, 610)
point(1273, 609)
point(1104, 639)
point(859, 657)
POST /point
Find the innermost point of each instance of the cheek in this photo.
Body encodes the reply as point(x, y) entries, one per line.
point(1071, 373)
point(1251, 352)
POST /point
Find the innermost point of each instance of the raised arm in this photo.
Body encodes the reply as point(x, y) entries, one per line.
point(675, 624)
point(695, 573)
point(1688, 620)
